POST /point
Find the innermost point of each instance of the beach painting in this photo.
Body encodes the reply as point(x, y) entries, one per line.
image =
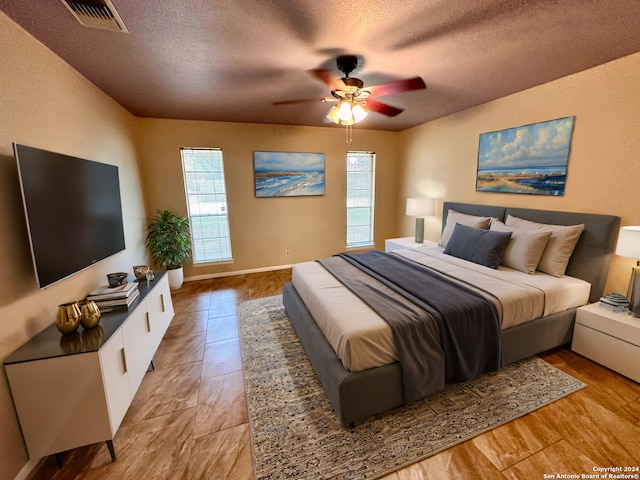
point(288, 174)
point(531, 159)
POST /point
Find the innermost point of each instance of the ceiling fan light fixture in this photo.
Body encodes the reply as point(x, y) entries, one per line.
point(333, 114)
point(359, 113)
point(344, 113)
point(353, 99)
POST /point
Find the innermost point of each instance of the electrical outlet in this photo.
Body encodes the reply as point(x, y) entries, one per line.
point(287, 253)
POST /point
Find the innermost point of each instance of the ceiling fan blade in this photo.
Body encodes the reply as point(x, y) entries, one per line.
point(333, 82)
point(297, 100)
point(382, 108)
point(302, 100)
point(397, 86)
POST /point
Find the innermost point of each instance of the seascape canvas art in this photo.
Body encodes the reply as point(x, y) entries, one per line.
point(288, 174)
point(530, 159)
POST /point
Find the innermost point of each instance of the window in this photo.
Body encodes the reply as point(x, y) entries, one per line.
point(360, 195)
point(207, 204)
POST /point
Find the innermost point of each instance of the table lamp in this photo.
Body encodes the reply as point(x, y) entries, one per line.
point(629, 246)
point(420, 207)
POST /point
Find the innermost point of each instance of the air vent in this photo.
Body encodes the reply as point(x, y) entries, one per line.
point(96, 14)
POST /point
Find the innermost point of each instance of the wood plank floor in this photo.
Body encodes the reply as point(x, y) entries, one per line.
point(189, 417)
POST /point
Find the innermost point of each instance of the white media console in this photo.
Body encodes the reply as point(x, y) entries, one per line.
point(74, 390)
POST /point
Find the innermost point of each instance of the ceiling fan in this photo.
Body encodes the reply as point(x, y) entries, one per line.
point(352, 96)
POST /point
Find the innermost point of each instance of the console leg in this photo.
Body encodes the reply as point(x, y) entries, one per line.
point(111, 450)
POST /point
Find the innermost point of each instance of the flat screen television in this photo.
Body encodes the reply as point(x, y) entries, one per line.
point(73, 211)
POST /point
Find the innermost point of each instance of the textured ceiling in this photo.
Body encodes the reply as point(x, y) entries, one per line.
point(228, 60)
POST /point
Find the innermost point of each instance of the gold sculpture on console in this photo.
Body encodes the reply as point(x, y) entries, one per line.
point(140, 271)
point(90, 314)
point(68, 317)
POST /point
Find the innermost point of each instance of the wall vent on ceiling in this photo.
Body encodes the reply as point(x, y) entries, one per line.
point(96, 14)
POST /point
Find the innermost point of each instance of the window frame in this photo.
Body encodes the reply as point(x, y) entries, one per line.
point(372, 194)
point(218, 177)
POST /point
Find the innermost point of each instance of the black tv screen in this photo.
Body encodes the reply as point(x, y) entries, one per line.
point(73, 211)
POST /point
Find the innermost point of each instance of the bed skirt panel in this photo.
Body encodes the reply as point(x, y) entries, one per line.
point(537, 336)
point(354, 396)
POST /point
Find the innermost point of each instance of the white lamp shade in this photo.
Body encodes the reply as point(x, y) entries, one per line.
point(344, 113)
point(420, 207)
point(333, 114)
point(359, 113)
point(629, 242)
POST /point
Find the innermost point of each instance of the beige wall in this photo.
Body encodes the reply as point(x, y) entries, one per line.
point(46, 104)
point(440, 157)
point(263, 228)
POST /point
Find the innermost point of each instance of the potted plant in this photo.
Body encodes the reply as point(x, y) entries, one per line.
point(169, 243)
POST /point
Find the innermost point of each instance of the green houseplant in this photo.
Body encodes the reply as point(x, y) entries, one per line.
point(169, 243)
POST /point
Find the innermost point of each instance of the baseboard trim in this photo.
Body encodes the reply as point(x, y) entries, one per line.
point(29, 470)
point(237, 272)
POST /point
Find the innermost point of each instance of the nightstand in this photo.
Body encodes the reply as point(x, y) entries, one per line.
point(400, 243)
point(609, 338)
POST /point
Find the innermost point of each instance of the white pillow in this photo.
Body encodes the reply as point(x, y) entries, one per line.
point(561, 243)
point(454, 217)
point(526, 247)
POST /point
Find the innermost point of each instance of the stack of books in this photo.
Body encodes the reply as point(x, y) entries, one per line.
point(615, 302)
point(120, 296)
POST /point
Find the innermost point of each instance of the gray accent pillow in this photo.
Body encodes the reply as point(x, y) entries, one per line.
point(525, 248)
point(477, 245)
point(561, 243)
point(454, 218)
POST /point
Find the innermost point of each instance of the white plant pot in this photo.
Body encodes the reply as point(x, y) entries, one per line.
point(176, 278)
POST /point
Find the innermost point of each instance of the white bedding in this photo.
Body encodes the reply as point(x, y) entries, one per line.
point(362, 340)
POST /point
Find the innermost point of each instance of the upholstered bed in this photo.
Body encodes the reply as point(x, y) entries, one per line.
point(357, 392)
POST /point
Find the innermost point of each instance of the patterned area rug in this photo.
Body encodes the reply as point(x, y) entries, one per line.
point(296, 435)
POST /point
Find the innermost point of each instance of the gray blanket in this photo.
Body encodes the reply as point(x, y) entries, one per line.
point(444, 332)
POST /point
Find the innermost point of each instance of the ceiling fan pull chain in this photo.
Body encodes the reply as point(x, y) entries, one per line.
point(347, 135)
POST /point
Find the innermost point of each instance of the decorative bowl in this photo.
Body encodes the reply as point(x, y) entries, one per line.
point(117, 279)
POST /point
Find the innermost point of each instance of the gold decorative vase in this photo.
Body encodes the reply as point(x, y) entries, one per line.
point(68, 317)
point(90, 314)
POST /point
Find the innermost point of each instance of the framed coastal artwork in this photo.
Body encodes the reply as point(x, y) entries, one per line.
point(288, 174)
point(531, 159)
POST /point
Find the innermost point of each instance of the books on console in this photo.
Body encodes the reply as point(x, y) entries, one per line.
point(122, 295)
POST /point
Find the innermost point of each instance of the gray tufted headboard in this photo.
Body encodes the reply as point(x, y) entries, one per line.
point(592, 255)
